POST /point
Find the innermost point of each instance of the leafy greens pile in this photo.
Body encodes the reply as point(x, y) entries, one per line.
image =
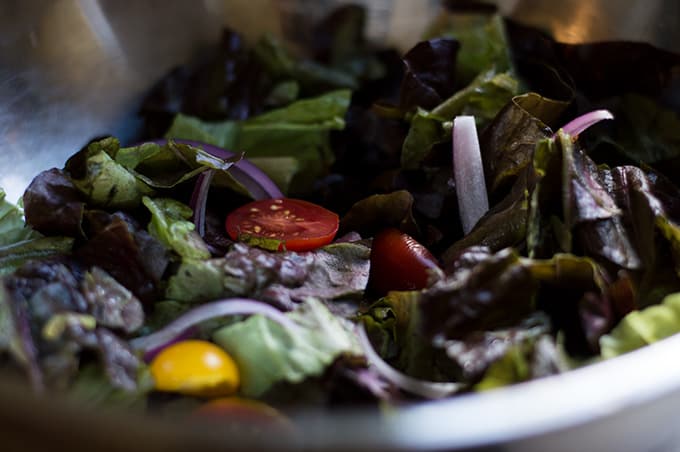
point(577, 259)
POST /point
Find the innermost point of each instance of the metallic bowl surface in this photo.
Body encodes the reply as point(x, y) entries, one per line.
point(71, 70)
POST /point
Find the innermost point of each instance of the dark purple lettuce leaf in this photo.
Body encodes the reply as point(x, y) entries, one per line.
point(53, 205)
point(111, 304)
point(598, 70)
point(495, 293)
point(482, 38)
point(585, 197)
point(370, 215)
point(588, 221)
point(339, 36)
point(120, 362)
point(582, 299)
point(642, 96)
point(650, 202)
point(430, 73)
point(504, 225)
point(51, 323)
point(508, 143)
point(282, 279)
point(476, 352)
point(229, 84)
point(128, 253)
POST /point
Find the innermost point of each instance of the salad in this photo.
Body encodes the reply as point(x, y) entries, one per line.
point(342, 225)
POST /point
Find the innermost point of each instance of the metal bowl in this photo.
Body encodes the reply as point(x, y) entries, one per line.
point(74, 69)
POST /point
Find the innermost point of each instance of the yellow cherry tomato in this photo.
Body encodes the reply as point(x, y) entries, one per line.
point(196, 368)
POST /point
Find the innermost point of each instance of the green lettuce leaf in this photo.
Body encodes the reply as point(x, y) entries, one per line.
point(103, 181)
point(113, 177)
point(171, 225)
point(219, 133)
point(529, 359)
point(15, 255)
point(483, 98)
point(165, 166)
point(92, 389)
point(395, 321)
point(483, 44)
point(299, 130)
point(425, 132)
point(12, 226)
point(640, 328)
point(266, 353)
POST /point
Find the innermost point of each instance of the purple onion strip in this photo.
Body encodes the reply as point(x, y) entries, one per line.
point(215, 309)
point(199, 199)
point(255, 181)
point(468, 172)
point(427, 389)
point(583, 122)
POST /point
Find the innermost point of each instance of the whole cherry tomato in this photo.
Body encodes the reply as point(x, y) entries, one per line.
point(398, 262)
point(195, 367)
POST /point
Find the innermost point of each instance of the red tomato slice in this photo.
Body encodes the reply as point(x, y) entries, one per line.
point(398, 262)
point(298, 225)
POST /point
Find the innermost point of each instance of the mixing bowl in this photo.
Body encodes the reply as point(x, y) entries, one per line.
point(74, 69)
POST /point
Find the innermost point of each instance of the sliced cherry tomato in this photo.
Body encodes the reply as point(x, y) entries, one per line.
point(398, 262)
point(295, 224)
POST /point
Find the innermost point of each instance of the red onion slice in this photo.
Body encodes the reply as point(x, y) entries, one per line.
point(215, 309)
point(468, 172)
point(255, 181)
point(199, 200)
point(583, 122)
point(427, 389)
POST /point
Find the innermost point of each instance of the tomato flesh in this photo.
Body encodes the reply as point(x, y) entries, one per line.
point(296, 224)
point(398, 262)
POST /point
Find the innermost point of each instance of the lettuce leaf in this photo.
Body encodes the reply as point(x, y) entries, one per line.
point(48, 319)
point(266, 353)
point(12, 226)
point(15, 255)
point(528, 359)
point(430, 73)
point(170, 224)
point(299, 130)
point(369, 215)
point(103, 181)
point(20, 243)
point(128, 253)
point(508, 143)
point(483, 98)
point(53, 205)
point(483, 44)
point(497, 291)
point(334, 271)
point(640, 328)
